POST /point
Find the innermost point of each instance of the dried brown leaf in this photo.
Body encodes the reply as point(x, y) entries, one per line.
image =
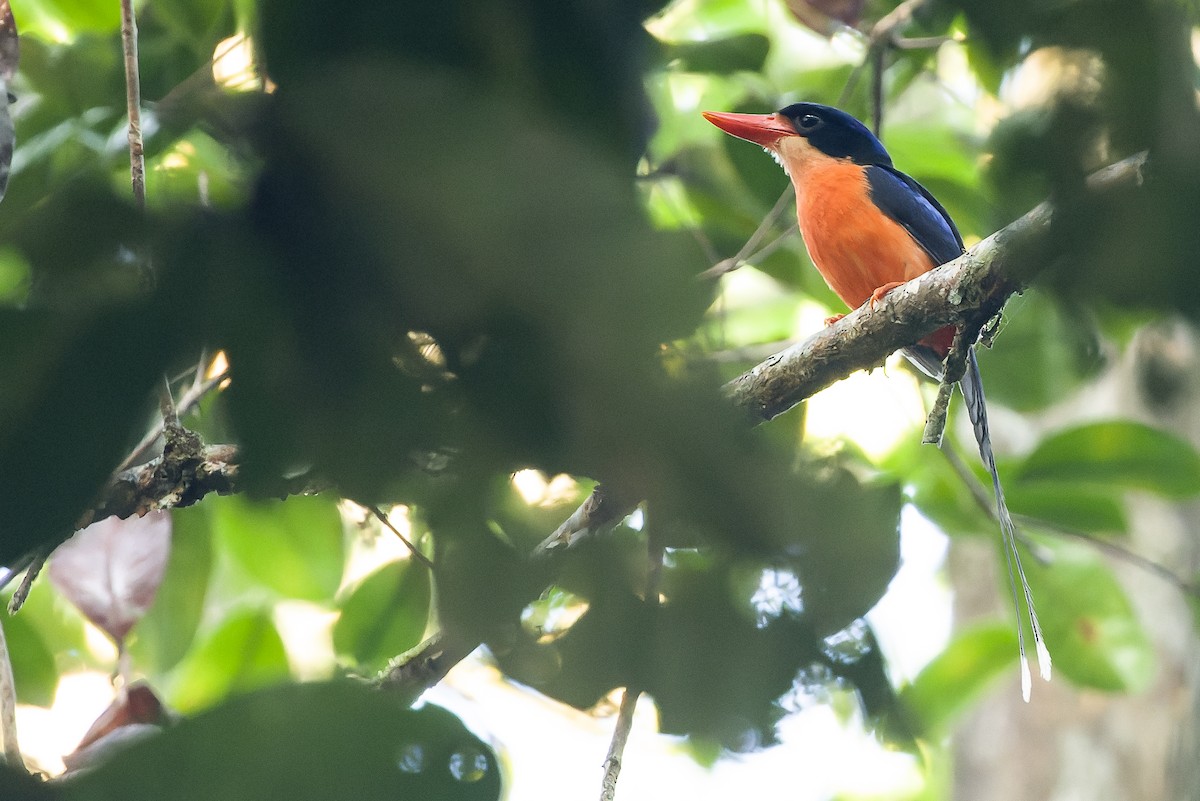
point(822, 16)
point(111, 570)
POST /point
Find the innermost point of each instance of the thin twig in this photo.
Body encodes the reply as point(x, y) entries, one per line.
point(1186, 587)
point(729, 265)
point(166, 404)
point(883, 35)
point(877, 56)
point(624, 724)
point(984, 502)
point(616, 748)
point(33, 566)
point(956, 366)
point(8, 709)
point(416, 553)
point(133, 102)
point(190, 398)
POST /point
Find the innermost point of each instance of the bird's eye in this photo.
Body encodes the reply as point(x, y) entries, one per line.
point(809, 121)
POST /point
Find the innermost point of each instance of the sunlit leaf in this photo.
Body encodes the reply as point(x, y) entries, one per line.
point(112, 569)
point(244, 653)
point(957, 676)
point(1118, 455)
point(384, 615)
point(294, 547)
point(61, 20)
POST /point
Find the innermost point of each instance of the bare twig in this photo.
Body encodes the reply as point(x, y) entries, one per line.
point(729, 265)
point(416, 553)
point(956, 365)
point(1118, 551)
point(616, 748)
point(33, 566)
point(884, 34)
point(629, 699)
point(8, 708)
point(133, 102)
point(166, 405)
point(1114, 549)
point(192, 396)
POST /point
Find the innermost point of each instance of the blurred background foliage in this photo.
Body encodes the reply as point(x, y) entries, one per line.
point(442, 243)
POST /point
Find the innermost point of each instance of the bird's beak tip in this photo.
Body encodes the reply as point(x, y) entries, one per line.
point(762, 129)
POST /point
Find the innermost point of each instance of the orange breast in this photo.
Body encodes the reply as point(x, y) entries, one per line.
point(856, 247)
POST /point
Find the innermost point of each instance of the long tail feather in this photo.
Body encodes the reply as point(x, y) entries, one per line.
point(972, 389)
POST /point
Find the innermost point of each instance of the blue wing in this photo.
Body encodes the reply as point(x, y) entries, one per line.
point(910, 204)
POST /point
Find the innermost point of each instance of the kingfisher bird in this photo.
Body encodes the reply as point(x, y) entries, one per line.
point(869, 228)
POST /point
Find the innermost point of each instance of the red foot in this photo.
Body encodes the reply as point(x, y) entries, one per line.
point(831, 320)
point(878, 294)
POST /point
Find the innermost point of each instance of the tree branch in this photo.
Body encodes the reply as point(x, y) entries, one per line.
point(970, 288)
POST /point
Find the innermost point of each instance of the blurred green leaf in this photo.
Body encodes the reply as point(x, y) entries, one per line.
point(1089, 624)
point(192, 20)
point(1082, 508)
point(384, 615)
point(68, 379)
point(166, 633)
point(754, 323)
point(244, 653)
point(956, 677)
point(14, 278)
point(1117, 454)
point(34, 671)
point(1042, 353)
point(747, 51)
point(311, 742)
point(294, 546)
point(935, 488)
point(61, 20)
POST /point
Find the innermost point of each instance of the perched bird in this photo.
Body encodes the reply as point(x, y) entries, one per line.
point(869, 228)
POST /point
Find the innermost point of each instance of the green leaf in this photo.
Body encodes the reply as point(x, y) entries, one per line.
point(936, 489)
point(1117, 454)
point(164, 635)
point(58, 624)
point(34, 671)
point(1089, 624)
point(743, 52)
point(244, 653)
point(293, 546)
point(192, 20)
point(63, 20)
point(958, 676)
point(1081, 508)
point(310, 742)
point(1042, 352)
point(384, 615)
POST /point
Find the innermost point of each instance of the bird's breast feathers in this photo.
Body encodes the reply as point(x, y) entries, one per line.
point(856, 247)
